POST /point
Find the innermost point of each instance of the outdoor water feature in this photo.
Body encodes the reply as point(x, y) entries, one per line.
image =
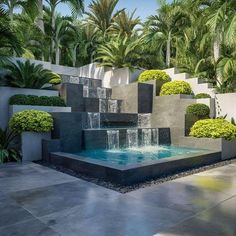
point(132, 138)
point(112, 106)
point(146, 137)
point(102, 105)
point(101, 92)
point(85, 91)
point(113, 139)
point(155, 136)
point(93, 120)
point(144, 120)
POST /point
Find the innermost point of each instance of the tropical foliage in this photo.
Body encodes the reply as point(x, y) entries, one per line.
point(7, 152)
point(26, 75)
point(200, 41)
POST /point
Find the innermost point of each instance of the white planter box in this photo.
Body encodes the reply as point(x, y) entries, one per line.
point(122, 76)
point(17, 108)
point(228, 148)
point(31, 145)
point(7, 92)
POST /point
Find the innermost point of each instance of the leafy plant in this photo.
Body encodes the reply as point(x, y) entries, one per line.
point(154, 75)
point(120, 52)
point(21, 99)
point(32, 121)
point(7, 153)
point(213, 128)
point(175, 87)
point(202, 95)
point(199, 110)
point(26, 75)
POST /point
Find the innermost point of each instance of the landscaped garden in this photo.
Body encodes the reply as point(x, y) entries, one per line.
point(116, 99)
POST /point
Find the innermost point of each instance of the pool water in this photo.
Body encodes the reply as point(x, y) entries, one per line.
point(137, 155)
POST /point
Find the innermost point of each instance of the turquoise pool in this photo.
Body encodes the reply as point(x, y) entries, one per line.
point(138, 155)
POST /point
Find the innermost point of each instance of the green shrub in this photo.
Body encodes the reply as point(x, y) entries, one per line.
point(154, 75)
point(213, 128)
point(175, 87)
point(202, 95)
point(199, 110)
point(33, 100)
point(31, 120)
point(55, 81)
point(26, 75)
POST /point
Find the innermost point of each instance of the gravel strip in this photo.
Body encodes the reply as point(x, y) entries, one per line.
point(125, 189)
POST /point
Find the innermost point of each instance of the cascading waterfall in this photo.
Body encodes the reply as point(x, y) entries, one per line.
point(112, 106)
point(146, 137)
point(113, 139)
point(155, 136)
point(144, 120)
point(102, 105)
point(132, 138)
point(86, 91)
point(93, 120)
point(101, 92)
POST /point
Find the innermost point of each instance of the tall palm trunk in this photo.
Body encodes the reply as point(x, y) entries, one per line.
point(216, 47)
point(53, 25)
point(168, 50)
point(58, 53)
point(40, 21)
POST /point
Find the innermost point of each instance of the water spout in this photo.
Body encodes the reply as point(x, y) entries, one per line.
point(113, 139)
point(155, 136)
point(93, 120)
point(146, 137)
point(102, 105)
point(112, 106)
point(101, 93)
point(86, 91)
point(132, 138)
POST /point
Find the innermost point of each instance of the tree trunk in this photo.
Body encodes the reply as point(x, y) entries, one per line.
point(168, 51)
point(39, 19)
point(53, 32)
point(216, 48)
point(58, 54)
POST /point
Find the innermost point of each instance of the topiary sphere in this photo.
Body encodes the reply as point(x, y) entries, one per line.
point(176, 87)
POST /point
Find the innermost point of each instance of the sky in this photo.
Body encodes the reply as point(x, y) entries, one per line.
point(144, 7)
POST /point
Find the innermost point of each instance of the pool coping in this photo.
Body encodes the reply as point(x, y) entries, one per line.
point(130, 174)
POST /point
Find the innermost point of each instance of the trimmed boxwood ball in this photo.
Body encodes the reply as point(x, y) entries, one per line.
point(176, 87)
point(199, 110)
point(213, 128)
point(148, 75)
point(202, 95)
point(32, 121)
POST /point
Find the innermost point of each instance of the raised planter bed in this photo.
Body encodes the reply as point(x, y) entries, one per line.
point(227, 148)
point(31, 145)
point(7, 92)
point(17, 108)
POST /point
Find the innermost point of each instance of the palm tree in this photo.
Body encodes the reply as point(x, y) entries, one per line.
point(125, 24)
point(27, 5)
point(120, 51)
point(8, 39)
point(101, 14)
point(77, 7)
point(167, 25)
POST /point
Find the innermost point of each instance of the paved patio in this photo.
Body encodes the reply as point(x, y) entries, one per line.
point(35, 200)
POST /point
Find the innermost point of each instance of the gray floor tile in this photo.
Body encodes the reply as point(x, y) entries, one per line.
point(46, 200)
point(179, 196)
point(11, 213)
point(118, 216)
point(219, 220)
point(28, 228)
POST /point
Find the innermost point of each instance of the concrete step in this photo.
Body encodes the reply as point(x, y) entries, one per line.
point(91, 83)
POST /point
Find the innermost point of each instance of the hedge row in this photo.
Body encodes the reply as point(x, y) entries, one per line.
point(33, 100)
